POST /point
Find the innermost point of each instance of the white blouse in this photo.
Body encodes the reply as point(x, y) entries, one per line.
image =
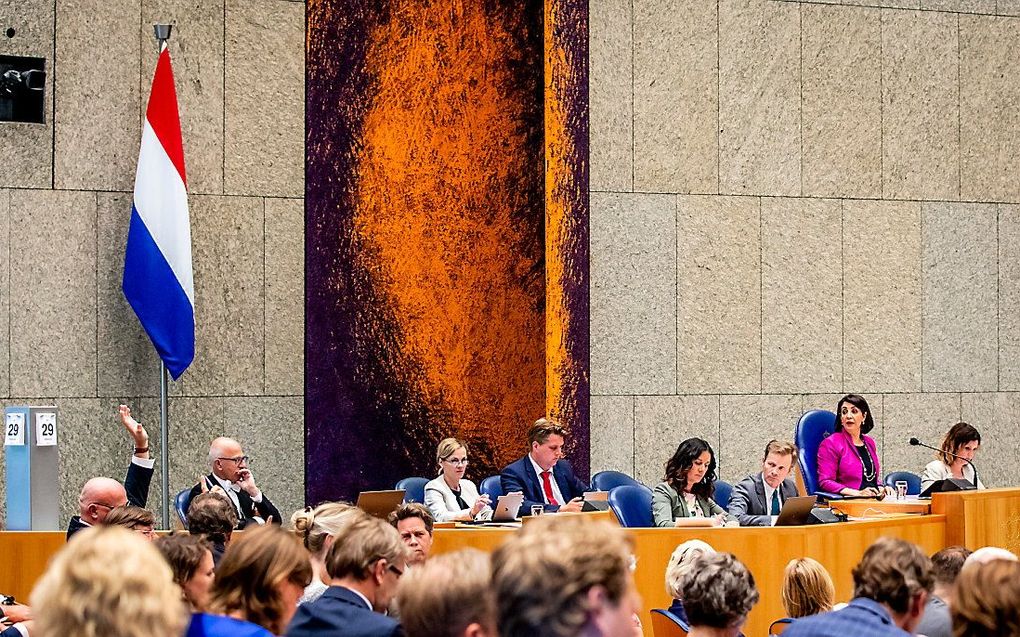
point(442, 503)
point(938, 470)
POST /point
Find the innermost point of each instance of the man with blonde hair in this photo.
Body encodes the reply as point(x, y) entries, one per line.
point(543, 476)
point(564, 577)
point(449, 596)
point(364, 564)
point(758, 499)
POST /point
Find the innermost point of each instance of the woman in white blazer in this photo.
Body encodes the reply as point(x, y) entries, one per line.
point(962, 440)
point(450, 497)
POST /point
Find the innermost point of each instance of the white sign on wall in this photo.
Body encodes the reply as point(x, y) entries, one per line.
point(14, 430)
point(46, 429)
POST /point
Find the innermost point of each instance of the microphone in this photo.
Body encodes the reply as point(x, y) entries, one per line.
point(917, 443)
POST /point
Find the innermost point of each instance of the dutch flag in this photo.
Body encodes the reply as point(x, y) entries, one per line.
point(158, 279)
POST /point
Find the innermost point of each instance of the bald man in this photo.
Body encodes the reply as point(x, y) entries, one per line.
point(99, 495)
point(231, 473)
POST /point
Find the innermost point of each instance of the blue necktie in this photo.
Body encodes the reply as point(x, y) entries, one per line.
point(775, 502)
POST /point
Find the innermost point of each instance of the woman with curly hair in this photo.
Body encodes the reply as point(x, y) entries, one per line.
point(684, 498)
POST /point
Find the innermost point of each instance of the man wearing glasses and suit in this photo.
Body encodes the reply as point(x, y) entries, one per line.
point(231, 474)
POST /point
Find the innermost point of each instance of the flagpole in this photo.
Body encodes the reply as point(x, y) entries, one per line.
point(162, 34)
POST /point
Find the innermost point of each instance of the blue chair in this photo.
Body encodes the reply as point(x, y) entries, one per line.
point(666, 624)
point(723, 491)
point(912, 479)
point(414, 489)
point(181, 502)
point(607, 480)
point(492, 487)
point(813, 427)
point(632, 505)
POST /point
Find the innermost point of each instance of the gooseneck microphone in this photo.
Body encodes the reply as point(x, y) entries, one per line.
point(917, 443)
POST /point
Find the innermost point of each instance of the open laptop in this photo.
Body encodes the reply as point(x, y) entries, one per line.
point(796, 510)
point(380, 503)
point(507, 507)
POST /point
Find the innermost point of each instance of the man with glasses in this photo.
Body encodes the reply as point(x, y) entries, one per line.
point(231, 474)
point(99, 495)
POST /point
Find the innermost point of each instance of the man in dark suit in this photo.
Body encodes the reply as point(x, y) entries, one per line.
point(99, 495)
point(364, 564)
point(543, 476)
point(758, 499)
point(230, 473)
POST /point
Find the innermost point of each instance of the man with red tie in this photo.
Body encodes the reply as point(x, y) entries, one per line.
point(543, 476)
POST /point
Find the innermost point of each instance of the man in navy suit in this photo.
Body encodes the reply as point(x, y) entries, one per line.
point(365, 564)
point(543, 476)
point(758, 499)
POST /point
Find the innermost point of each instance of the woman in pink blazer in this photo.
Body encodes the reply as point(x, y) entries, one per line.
point(848, 460)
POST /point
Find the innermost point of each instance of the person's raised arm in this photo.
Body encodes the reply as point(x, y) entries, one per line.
point(137, 432)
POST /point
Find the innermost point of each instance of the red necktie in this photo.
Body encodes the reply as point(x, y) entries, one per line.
point(547, 487)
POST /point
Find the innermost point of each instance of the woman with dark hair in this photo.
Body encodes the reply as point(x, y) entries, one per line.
point(684, 498)
point(848, 459)
point(960, 444)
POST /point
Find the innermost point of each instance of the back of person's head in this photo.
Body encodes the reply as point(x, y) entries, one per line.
point(251, 573)
point(315, 526)
point(413, 510)
point(987, 554)
point(108, 582)
point(680, 562)
point(131, 517)
point(946, 564)
point(542, 429)
point(987, 600)
point(559, 574)
point(364, 541)
point(891, 572)
point(447, 595)
point(718, 591)
point(807, 588)
point(183, 553)
point(212, 515)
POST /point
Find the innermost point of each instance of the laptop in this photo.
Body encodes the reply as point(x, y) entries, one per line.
point(507, 507)
point(795, 511)
point(595, 501)
point(380, 503)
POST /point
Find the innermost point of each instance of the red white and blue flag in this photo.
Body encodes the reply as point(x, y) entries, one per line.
point(158, 281)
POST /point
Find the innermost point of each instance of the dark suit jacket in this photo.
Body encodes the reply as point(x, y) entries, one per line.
point(748, 505)
point(862, 617)
point(136, 484)
point(250, 509)
point(341, 613)
point(520, 476)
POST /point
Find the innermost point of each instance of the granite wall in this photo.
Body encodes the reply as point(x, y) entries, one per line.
point(67, 337)
point(794, 200)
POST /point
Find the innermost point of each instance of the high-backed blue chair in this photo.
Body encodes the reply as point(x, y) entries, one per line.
point(666, 624)
point(492, 488)
point(632, 505)
point(608, 480)
point(414, 489)
point(723, 491)
point(912, 479)
point(813, 427)
point(181, 502)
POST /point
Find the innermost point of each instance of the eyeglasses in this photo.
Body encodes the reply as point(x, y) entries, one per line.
point(238, 459)
point(457, 462)
point(103, 504)
point(395, 570)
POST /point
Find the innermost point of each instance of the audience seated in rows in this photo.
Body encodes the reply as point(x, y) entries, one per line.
point(100, 495)
point(684, 497)
point(212, 516)
point(758, 499)
point(133, 518)
point(543, 476)
point(563, 576)
point(987, 600)
point(891, 587)
point(190, 559)
point(807, 588)
point(108, 582)
point(680, 563)
point(414, 523)
point(718, 593)
point(452, 497)
point(450, 596)
point(946, 565)
point(230, 472)
point(317, 528)
point(256, 588)
point(365, 564)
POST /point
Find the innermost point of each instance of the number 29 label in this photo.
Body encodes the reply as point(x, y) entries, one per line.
point(45, 429)
point(14, 430)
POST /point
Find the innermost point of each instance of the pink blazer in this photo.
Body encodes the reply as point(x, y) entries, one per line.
point(839, 466)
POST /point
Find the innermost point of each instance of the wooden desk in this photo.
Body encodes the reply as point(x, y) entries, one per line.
point(765, 551)
point(989, 517)
point(875, 508)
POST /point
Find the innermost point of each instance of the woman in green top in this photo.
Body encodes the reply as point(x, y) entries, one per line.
point(685, 498)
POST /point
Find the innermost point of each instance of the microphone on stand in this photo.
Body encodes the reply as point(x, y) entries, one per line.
point(917, 443)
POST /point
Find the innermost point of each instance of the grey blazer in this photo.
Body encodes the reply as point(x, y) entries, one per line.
point(668, 505)
point(748, 503)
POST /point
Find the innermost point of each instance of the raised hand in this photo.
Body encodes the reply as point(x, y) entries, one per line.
point(135, 428)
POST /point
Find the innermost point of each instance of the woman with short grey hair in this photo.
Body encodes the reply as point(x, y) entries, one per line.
point(718, 593)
